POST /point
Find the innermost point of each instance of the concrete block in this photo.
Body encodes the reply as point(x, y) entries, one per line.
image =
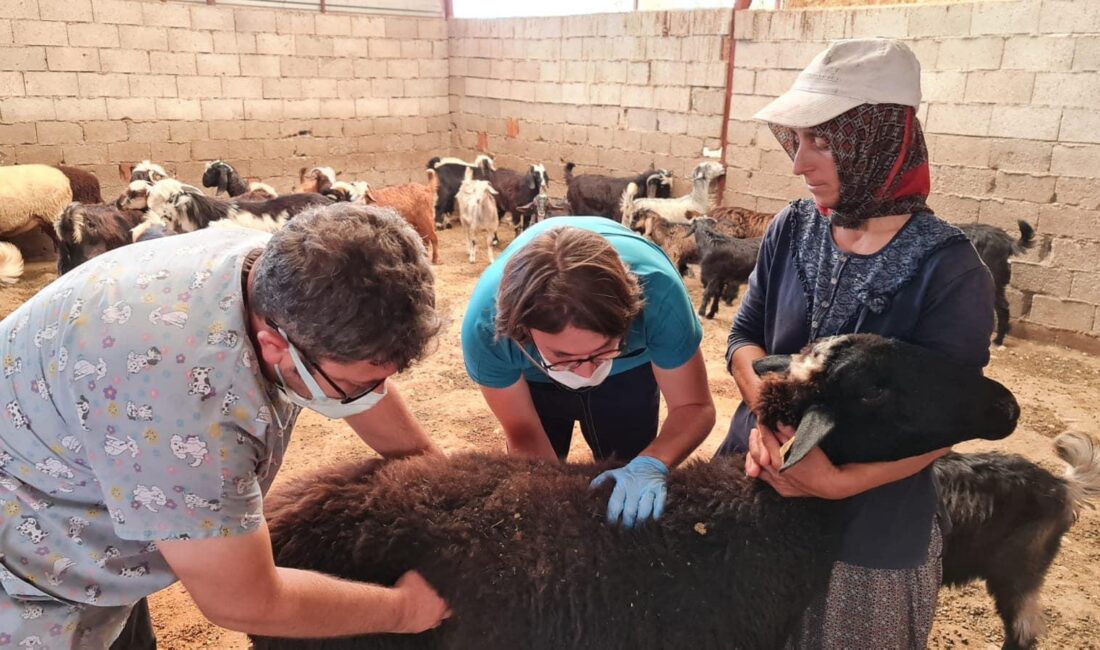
point(1075, 254)
point(1075, 160)
point(707, 102)
point(1082, 192)
point(774, 82)
point(93, 35)
point(1060, 220)
point(212, 18)
point(124, 61)
point(189, 40)
point(959, 150)
point(384, 49)
point(147, 131)
point(259, 65)
point(1018, 155)
point(254, 20)
point(51, 83)
point(887, 23)
point(166, 14)
point(1007, 213)
point(333, 25)
point(970, 54)
point(306, 45)
point(82, 59)
point(298, 66)
point(401, 27)
point(1069, 17)
point(1039, 53)
point(1033, 123)
point(11, 85)
point(319, 88)
point(135, 109)
point(22, 58)
point(1026, 187)
point(1042, 279)
point(263, 109)
point(278, 44)
point(177, 63)
point(1086, 54)
point(1085, 287)
point(178, 109)
point(959, 119)
point(954, 208)
point(59, 133)
point(964, 181)
point(22, 133)
point(1062, 314)
point(944, 87)
point(743, 107)
point(103, 85)
point(295, 22)
point(1005, 18)
point(1000, 86)
point(665, 48)
point(143, 38)
point(218, 64)
point(19, 9)
point(1067, 89)
point(700, 49)
point(939, 20)
point(36, 32)
point(191, 131)
point(672, 98)
point(153, 85)
point(368, 26)
point(79, 109)
point(281, 88)
point(787, 25)
point(199, 87)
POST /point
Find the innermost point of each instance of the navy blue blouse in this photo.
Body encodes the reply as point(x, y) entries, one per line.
point(927, 287)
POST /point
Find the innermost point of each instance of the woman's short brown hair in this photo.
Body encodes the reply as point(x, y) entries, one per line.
point(566, 276)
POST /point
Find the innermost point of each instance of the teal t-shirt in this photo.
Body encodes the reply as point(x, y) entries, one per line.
point(667, 327)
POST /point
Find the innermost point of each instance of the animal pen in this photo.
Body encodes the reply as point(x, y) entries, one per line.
point(375, 90)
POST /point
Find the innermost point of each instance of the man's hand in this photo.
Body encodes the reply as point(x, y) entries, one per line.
point(639, 490)
point(422, 608)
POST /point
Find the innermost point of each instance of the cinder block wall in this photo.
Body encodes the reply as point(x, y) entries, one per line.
point(1011, 97)
point(94, 83)
point(611, 92)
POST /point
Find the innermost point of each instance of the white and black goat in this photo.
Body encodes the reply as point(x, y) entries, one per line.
point(521, 552)
point(515, 190)
point(146, 170)
point(85, 231)
point(995, 247)
point(183, 208)
point(601, 196)
point(477, 209)
point(449, 174)
point(704, 179)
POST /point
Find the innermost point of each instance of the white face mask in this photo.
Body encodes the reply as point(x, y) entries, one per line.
point(319, 402)
point(573, 381)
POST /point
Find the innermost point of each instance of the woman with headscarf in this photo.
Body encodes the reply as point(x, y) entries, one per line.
point(865, 254)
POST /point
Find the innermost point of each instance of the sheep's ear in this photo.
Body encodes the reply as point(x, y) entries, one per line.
point(816, 424)
point(124, 171)
point(778, 363)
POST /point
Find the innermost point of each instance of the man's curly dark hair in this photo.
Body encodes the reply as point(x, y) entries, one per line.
point(349, 283)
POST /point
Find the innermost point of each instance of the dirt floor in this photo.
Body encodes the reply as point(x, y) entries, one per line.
point(1058, 390)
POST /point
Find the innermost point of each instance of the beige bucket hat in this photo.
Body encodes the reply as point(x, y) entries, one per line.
point(849, 73)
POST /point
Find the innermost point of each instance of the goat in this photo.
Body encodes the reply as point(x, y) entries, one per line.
point(450, 172)
point(415, 203)
point(84, 184)
point(183, 208)
point(221, 175)
point(740, 222)
point(258, 191)
point(526, 540)
point(477, 210)
point(995, 247)
point(315, 180)
point(1007, 515)
point(726, 262)
point(86, 231)
point(598, 195)
point(146, 170)
point(675, 239)
point(543, 207)
point(682, 209)
point(515, 190)
point(135, 196)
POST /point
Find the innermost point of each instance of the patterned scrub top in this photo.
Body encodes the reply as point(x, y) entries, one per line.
point(132, 409)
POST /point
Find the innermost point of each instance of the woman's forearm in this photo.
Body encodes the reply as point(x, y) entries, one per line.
point(856, 478)
point(743, 374)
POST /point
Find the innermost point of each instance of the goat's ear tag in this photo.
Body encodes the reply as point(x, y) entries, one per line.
point(816, 424)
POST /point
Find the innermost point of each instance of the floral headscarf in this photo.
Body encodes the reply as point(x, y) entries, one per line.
point(881, 160)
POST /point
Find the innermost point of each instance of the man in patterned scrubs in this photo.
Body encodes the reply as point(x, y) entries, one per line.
point(148, 397)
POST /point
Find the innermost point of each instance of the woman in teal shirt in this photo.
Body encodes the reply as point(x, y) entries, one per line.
point(582, 320)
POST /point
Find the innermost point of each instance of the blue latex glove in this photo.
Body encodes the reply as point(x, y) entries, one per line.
point(639, 490)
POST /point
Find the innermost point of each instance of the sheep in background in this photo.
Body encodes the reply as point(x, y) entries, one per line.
point(449, 173)
point(726, 263)
point(145, 170)
point(477, 209)
point(675, 239)
point(223, 176)
point(995, 246)
point(31, 196)
point(598, 195)
point(258, 191)
point(678, 210)
point(86, 231)
point(513, 545)
point(183, 208)
point(85, 185)
point(515, 190)
point(315, 180)
point(740, 222)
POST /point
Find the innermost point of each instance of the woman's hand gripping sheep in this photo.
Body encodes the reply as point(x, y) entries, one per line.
point(639, 490)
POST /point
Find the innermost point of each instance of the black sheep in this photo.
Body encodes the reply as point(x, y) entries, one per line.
point(521, 552)
point(995, 246)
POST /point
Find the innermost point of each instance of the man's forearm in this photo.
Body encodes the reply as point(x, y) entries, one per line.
point(391, 429)
point(312, 605)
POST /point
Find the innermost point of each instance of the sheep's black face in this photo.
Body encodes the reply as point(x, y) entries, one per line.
point(864, 398)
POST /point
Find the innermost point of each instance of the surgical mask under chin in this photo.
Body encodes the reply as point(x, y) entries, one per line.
point(321, 403)
point(573, 381)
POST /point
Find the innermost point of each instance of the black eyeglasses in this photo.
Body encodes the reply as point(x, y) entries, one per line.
point(573, 364)
point(344, 397)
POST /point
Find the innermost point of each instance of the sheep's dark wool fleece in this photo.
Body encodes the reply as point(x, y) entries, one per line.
point(521, 552)
point(84, 184)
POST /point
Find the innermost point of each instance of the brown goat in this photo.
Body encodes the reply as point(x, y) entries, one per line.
point(85, 185)
point(740, 223)
point(675, 239)
point(316, 180)
point(415, 202)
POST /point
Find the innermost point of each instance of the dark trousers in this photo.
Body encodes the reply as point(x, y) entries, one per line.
point(618, 418)
point(138, 633)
